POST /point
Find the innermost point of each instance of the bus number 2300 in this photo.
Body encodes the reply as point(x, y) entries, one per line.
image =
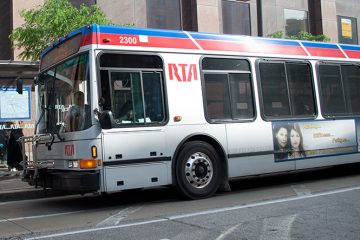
point(128, 40)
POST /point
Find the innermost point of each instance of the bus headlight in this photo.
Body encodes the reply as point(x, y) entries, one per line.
point(73, 163)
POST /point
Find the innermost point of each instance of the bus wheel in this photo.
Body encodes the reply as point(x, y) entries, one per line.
point(197, 170)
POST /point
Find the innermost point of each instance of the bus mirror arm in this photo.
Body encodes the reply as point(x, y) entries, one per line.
point(106, 119)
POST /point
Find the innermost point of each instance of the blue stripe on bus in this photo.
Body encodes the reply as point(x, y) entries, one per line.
point(320, 45)
point(350, 47)
point(277, 42)
point(142, 31)
point(210, 36)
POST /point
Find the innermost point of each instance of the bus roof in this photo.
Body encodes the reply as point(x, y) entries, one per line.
point(132, 38)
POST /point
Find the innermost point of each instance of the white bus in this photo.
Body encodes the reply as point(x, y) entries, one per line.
point(126, 108)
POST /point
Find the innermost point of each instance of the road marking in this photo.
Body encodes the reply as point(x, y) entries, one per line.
point(301, 190)
point(115, 219)
point(40, 216)
point(277, 228)
point(195, 214)
point(227, 232)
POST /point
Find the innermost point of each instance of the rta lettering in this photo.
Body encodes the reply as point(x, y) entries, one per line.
point(182, 72)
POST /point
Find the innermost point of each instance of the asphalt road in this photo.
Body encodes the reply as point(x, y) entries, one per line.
point(313, 205)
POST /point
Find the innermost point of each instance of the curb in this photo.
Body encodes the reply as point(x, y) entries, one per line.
point(4, 175)
point(20, 190)
point(21, 195)
point(28, 194)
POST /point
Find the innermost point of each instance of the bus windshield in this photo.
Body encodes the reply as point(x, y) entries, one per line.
point(65, 97)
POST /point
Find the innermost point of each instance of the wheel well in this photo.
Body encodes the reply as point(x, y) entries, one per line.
point(214, 143)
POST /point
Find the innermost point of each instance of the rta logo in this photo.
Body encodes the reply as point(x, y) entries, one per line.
point(182, 72)
point(69, 150)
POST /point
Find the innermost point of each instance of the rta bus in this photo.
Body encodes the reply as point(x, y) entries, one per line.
point(128, 108)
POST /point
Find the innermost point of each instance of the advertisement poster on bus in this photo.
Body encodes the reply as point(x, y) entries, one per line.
point(299, 140)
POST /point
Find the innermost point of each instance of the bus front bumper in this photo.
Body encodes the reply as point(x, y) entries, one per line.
point(68, 181)
point(81, 182)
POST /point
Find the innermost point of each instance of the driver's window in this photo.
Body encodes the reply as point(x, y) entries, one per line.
point(127, 98)
point(132, 88)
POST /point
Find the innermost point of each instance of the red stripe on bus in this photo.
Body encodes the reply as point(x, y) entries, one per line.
point(88, 39)
point(325, 52)
point(228, 46)
point(145, 41)
point(283, 49)
point(352, 54)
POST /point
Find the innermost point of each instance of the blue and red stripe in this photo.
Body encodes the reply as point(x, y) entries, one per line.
point(318, 49)
point(232, 43)
point(278, 46)
point(352, 51)
point(141, 37)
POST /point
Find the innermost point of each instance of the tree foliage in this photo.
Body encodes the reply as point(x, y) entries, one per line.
point(301, 36)
point(54, 19)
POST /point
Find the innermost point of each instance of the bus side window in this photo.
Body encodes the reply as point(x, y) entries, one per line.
point(331, 90)
point(228, 89)
point(105, 100)
point(274, 89)
point(152, 85)
point(287, 89)
point(339, 89)
point(132, 86)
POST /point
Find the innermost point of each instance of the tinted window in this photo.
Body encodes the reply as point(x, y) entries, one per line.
point(130, 61)
point(228, 89)
point(274, 89)
point(217, 96)
point(333, 101)
point(132, 92)
point(300, 89)
point(287, 89)
point(340, 88)
point(241, 96)
point(225, 64)
point(351, 79)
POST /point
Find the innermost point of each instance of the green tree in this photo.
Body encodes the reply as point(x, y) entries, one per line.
point(49, 22)
point(301, 36)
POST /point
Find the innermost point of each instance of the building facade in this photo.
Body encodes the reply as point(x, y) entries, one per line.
point(337, 19)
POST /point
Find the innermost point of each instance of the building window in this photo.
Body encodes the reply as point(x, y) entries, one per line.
point(189, 15)
point(347, 30)
point(236, 17)
point(295, 21)
point(5, 29)
point(163, 14)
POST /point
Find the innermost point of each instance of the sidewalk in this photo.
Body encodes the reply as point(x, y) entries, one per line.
point(13, 189)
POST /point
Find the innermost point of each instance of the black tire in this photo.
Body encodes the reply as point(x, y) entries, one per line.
point(197, 170)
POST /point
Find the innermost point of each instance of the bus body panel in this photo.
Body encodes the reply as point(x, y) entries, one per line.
point(136, 157)
point(134, 176)
point(251, 149)
point(133, 157)
point(183, 88)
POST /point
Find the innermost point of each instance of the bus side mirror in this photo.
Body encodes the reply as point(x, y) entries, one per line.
point(106, 119)
point(19, 86)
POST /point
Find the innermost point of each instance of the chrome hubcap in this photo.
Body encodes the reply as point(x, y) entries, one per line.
point(198, 170)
